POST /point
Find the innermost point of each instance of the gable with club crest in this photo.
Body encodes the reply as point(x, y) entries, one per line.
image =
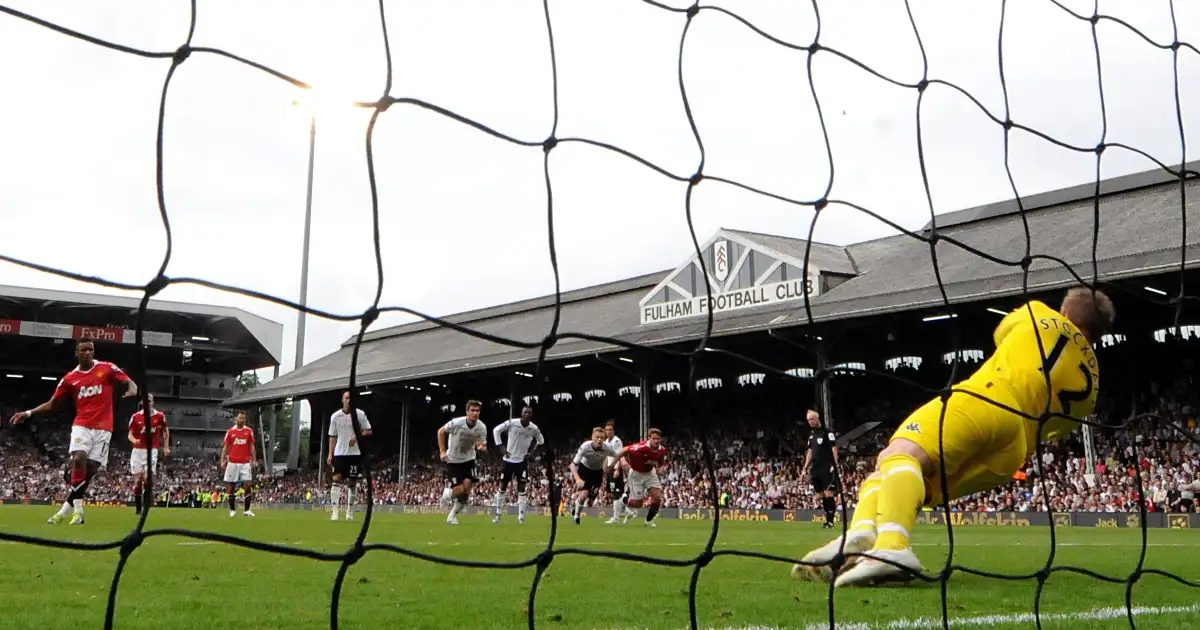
point(743, 274)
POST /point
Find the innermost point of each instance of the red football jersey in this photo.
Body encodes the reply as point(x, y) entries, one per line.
point(137, 426)
point(643, 458)
point(93, 393)
point(240, 445)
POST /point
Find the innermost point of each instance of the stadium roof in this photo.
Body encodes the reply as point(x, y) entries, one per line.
point(267, 334)
point(1139, 234)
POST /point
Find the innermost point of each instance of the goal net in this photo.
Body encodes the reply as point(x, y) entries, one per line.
point(1048, 94)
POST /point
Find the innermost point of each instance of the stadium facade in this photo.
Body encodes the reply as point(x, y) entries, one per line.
point(194, 353)
point(873, 304)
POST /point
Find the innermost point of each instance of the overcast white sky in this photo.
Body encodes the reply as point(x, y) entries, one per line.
point(462, 214)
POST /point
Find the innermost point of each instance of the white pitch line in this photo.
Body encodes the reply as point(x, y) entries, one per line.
point(932, 623)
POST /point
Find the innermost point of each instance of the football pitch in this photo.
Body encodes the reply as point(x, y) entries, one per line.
point(176, 582)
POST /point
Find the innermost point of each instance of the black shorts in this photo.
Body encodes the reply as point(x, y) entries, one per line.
point(823, 480)
point(347, 466)
point(458, 473)
point(616, 485)
point(514, 471)
point(592, 479)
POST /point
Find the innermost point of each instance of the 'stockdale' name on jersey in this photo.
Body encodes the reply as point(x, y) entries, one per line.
point(592, 457)
point(460, 445)
point(520, 439)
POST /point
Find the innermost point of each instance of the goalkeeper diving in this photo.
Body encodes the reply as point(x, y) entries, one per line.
point(986, 436)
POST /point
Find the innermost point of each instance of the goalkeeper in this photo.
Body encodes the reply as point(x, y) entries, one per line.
point(983, 444)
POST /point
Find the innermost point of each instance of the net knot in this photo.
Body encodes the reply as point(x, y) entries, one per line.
point(155, 286)
point(181, 54)
point(549, 144)
point(705, 558)
point(821, 204)
point(696, 178)
point(693, 11)
point(369, 316)
point(922, 84)
point(131, 543)
point(354, 554)
point(1026, 262)
point(1100, 148)
point(544, 559)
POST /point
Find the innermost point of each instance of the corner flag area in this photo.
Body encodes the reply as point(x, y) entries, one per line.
point(180, 582)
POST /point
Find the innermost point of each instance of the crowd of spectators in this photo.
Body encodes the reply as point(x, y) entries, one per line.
point(757, 466)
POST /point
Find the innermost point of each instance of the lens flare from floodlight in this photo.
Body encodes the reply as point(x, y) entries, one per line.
point(327, 107)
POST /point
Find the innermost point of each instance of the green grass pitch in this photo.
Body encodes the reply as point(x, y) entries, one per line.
point(175, 582)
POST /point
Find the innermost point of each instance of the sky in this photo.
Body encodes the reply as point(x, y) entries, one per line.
point(463, 215)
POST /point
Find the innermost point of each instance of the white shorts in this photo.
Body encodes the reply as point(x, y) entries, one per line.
point(640, 483)
point(137, 461)
point(237, 472)
point(94, 442)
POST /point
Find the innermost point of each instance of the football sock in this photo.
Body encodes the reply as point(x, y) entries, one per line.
point(447, 494)
point(868, 504)
point(137, 497)
point(335, 496)
point(828, 504)
point(350, 498)
point(652, 512)
point(522, 501)
point(498, 502)
point(249, 497)
point(232, 502)
point(458, 505)
point(66, 507)
point(618, 507)
point(902, 492)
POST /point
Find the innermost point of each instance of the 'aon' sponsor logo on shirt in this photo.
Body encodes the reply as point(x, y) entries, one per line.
point(89, 391)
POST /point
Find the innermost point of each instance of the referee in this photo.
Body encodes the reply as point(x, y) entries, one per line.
point(818, 463)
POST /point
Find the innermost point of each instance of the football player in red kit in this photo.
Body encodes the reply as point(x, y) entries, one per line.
point(161, 437)
point(646, 459)
point(91, 384)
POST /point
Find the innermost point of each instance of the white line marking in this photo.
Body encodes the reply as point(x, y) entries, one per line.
point(931, 623)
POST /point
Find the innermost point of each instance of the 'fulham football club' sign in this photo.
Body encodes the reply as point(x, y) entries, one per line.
point(728, 301)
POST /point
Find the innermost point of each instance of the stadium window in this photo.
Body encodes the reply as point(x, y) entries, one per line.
point(503, 402)
point(801, 372)
point(594, 393)
point(529, 400)
point(563, 397)
point(753, 378)
point(633, 390)
point(911, 361)
point(850, 368)
point(711, 382)
point(449, 408)
point(964, 356)
point(1180, 333)
point(669, 386)
point(1109, 340)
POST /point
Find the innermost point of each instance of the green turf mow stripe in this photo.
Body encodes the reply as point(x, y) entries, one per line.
point(931, 623)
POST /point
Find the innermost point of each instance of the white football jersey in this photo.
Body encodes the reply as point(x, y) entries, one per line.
point(591, 457)
point(461, 440)
point(616, 445)
point(341, 428)
point(520, 439)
